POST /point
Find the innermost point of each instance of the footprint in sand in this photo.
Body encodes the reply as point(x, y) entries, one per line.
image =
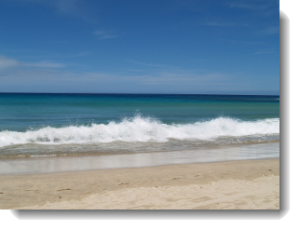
point(63, 189)
point(124, 184)
point(175, 178)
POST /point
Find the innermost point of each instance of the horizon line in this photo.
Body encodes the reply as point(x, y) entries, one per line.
point(147, 93)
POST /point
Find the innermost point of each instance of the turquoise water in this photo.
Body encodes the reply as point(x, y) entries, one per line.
point(63, 124)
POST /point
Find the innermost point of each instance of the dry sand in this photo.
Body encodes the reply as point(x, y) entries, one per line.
point(249, 184)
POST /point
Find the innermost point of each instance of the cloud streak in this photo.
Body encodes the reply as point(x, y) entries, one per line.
point(270, 30)
point(35, 79)
point(146, 64)
point(266, 51)
point(77, 8)
point(223, 24)
point(251, 5)
point(12, 70)
point(183, 78)
point(105, 34)
point(9, 63)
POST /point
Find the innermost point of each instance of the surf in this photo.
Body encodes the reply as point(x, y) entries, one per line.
point(141, 129)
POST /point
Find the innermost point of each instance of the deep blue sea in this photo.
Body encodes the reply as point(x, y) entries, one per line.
point(34, 125)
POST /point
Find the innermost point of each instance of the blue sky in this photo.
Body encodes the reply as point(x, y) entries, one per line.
point(84, 46)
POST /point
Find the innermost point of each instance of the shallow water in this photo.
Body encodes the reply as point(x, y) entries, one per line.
point(110, 161)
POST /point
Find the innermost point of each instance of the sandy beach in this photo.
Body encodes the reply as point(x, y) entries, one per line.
point(244, 184)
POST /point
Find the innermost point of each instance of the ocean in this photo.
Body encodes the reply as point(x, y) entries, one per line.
point(51, 125)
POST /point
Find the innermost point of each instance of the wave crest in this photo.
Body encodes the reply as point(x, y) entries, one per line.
point(141, 129)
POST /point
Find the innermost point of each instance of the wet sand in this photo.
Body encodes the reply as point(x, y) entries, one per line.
point(39, 165)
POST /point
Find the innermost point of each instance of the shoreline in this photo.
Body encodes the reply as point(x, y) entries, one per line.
point(240, 184)
point(42, 165)
point(90, 154)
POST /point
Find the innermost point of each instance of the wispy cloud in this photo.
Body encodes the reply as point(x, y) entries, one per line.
point(182, 77)
point(270, 30)
point(43, 64)
point(223, 24)
point(66, 6)
point(85, 53)
point(155, 65)
point(242, 6)
point(6, 62)
point(35, 79)
point(147, 64)
point(262, 8)
point(253, 5)
point(159, 78)
point(14, 70)
point(105, 34)
point(266, 51)
point(242, 42)
point(77, 8)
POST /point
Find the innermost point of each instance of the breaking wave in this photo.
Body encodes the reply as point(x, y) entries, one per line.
point(141, 129)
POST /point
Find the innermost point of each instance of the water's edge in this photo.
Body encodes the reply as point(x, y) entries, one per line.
point(112, 161)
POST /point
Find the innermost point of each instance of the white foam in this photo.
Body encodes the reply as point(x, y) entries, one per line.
point(139, 129)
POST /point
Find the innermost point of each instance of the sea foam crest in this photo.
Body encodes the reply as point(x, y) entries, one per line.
point(140, 129)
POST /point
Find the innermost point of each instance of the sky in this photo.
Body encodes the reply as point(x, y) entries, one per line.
point(159, 46)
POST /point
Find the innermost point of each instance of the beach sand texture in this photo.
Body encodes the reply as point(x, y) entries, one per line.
point(248, 184)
